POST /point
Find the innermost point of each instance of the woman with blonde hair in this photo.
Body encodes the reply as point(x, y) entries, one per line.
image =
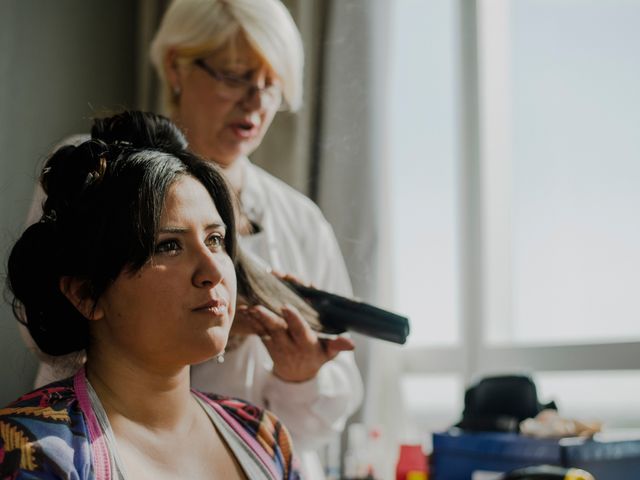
point(227, 67)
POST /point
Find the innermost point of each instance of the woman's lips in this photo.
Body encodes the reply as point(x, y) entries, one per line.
point(244, 130)
point(216, 307)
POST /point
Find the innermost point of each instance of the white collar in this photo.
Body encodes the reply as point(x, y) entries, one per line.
point(251, 195)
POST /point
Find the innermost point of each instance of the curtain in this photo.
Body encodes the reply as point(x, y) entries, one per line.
point(147, 86)
point(288, 150)
point(352, 186)
point(334, 150)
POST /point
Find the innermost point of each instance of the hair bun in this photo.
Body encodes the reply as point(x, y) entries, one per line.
point(68, 174)
point(139, 130)
point(33, 279)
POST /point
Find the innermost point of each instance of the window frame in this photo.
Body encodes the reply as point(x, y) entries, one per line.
point(483, 199)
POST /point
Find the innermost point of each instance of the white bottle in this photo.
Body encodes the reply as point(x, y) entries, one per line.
point(356, 458)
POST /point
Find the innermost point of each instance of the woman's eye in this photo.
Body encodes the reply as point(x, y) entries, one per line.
point(235, 79)
point(170, 247)
point(216, 241)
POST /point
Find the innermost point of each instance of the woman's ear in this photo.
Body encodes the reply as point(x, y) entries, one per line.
point(172, 71)
point(75, 291)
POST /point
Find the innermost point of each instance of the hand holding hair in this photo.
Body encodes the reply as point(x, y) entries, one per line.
point(245, 322)
point(296, 350)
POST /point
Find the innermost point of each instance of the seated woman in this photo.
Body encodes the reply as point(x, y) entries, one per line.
point(133, 261)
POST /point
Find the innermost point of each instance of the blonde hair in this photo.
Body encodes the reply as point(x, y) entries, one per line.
point(197, 28)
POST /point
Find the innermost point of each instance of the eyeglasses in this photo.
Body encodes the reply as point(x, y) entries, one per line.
point(232, 87)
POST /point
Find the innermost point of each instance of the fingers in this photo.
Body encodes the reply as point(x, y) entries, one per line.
point(291, 331)
point(299, 329)
point(288, 277)
point(334, 346)
point(270, 323)
point(284, 276)
point(291, 323)
point(297, 352)
point(244, 323)
point(278, 273)
point(256, 321)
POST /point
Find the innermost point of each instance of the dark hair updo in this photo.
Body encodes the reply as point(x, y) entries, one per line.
point(101, 216)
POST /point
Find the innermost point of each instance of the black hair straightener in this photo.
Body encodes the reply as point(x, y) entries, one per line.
point(339, 314)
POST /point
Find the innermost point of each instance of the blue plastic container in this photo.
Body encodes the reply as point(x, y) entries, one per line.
point(456, 454)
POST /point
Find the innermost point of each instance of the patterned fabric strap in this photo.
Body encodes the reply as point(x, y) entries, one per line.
point(47, 434)
point(43, 435)
point(262, 432)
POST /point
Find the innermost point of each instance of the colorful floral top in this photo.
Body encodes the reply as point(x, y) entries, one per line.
point(53, 433)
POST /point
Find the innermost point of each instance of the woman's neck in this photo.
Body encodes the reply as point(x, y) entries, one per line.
point(234, 173)
point(129, 392)
point(160, 429)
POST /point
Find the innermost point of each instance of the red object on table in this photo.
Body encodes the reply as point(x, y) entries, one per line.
point(412, 463)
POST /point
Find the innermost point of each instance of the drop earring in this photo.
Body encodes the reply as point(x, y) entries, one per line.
point(176, 91)
point(220, 357)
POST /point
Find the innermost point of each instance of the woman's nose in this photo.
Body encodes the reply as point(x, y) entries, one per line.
point(253, 99)
point(207, 272)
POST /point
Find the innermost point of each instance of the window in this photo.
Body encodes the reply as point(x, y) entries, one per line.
point(560, 150)
point(423, 142)
point(514, 152)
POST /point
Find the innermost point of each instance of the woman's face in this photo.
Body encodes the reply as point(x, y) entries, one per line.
point(219, 128)
point(178, 308)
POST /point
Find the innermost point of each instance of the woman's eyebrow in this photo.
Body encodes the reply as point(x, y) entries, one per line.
point(215, 226)
point(211, 226)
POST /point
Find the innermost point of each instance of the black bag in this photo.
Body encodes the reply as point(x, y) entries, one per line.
point(500, 403)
